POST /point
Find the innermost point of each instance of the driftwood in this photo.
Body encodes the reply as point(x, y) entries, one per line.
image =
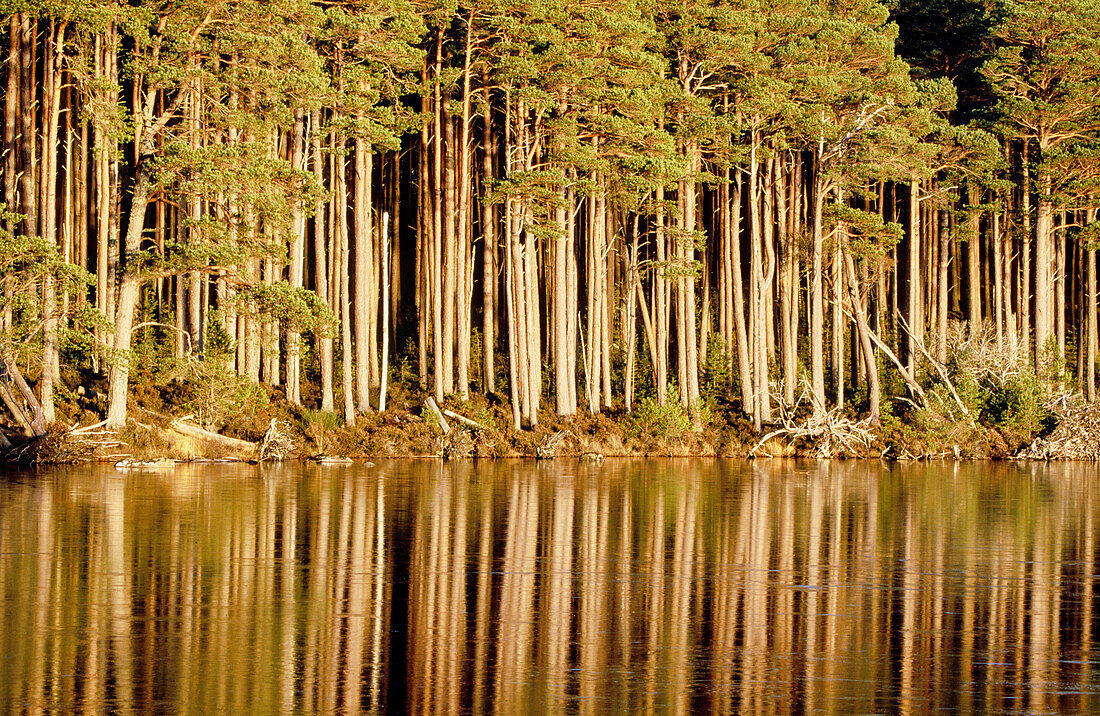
point(221, 440)
point(332, 460)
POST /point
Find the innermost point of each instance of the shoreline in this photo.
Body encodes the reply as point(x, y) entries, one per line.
point(278, 431)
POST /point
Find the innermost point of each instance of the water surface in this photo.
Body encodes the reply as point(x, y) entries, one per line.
point(632, 586)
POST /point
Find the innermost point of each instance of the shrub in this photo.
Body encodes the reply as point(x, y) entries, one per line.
point(660, 422)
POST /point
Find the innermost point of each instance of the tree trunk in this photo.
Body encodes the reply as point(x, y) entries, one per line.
point(1090, 320)
point(661, 298)
point(1024, 294)
point(297, 266)
point(916, 319)
point(11, 114)
point(385, 312)
point(342, 281)
point(366, 297)
point(28, 145)
point(320, 268)
point(488, 254)
point(942, 286)
point(973, 253)
point(560, 323)
point(817, 295)
point(839, 321)
point(51, 95)
point(864, 331)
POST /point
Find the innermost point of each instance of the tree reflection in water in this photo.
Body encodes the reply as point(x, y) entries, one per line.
point(640, 586)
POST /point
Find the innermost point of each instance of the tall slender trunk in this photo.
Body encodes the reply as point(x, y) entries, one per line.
point(463, 239)
point(366, 295)
point(687, 355)
point(320, 267)
point(757, 329)
point(51, 95)
point(28, 84)
point(817, 296)
point(839, 322)
point(1024, 294)
point(1045, 347)
point(442, 342)
point(1090, 319)
point(297, 265)
point(128, 295)
point(973, 256)
point(788, 340)
point(998, 267)
point(11, 115)
point(560, 323)
point(915, 316)
point(661, 298)
point(488, 253)
point(384, 378)
point(942, 285)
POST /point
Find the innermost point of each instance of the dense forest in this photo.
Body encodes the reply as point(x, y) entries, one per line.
point(577, 206)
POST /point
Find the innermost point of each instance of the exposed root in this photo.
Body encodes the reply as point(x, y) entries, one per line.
point(1077, 435)
point(458, 443)
point(68, 447)
point(277, 443)
point(549, 449)
point(831, 433)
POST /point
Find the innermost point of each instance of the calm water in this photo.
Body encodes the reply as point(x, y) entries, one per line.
point(630, 586)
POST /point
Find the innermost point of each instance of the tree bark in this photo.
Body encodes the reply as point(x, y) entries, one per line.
point(366, 298)
point(320, 268)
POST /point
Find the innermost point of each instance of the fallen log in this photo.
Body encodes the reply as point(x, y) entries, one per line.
point(464, 420)
point(430, 402)
point(221, 440)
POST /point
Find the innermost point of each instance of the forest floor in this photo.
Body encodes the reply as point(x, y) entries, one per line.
point(267, 426)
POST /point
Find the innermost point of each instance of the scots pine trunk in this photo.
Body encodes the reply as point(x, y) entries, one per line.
point(366, 297)
point(915, 303)
point(973, 254)
point(488, 253)
point(817, 295)
point(1090, 320)
point(320, 267)
point(51, 111)
point(297, 265)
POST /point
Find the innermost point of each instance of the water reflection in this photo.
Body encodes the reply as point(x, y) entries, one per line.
point(632, 587)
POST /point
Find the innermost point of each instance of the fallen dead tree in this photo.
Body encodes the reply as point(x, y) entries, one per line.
point(831, 433)
point(222, 441)
point(68, 447)
point(1076, 435)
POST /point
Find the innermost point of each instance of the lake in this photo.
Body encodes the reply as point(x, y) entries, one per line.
point(623, 586)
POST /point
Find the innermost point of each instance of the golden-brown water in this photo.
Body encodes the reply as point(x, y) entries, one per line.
point(635, 586)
